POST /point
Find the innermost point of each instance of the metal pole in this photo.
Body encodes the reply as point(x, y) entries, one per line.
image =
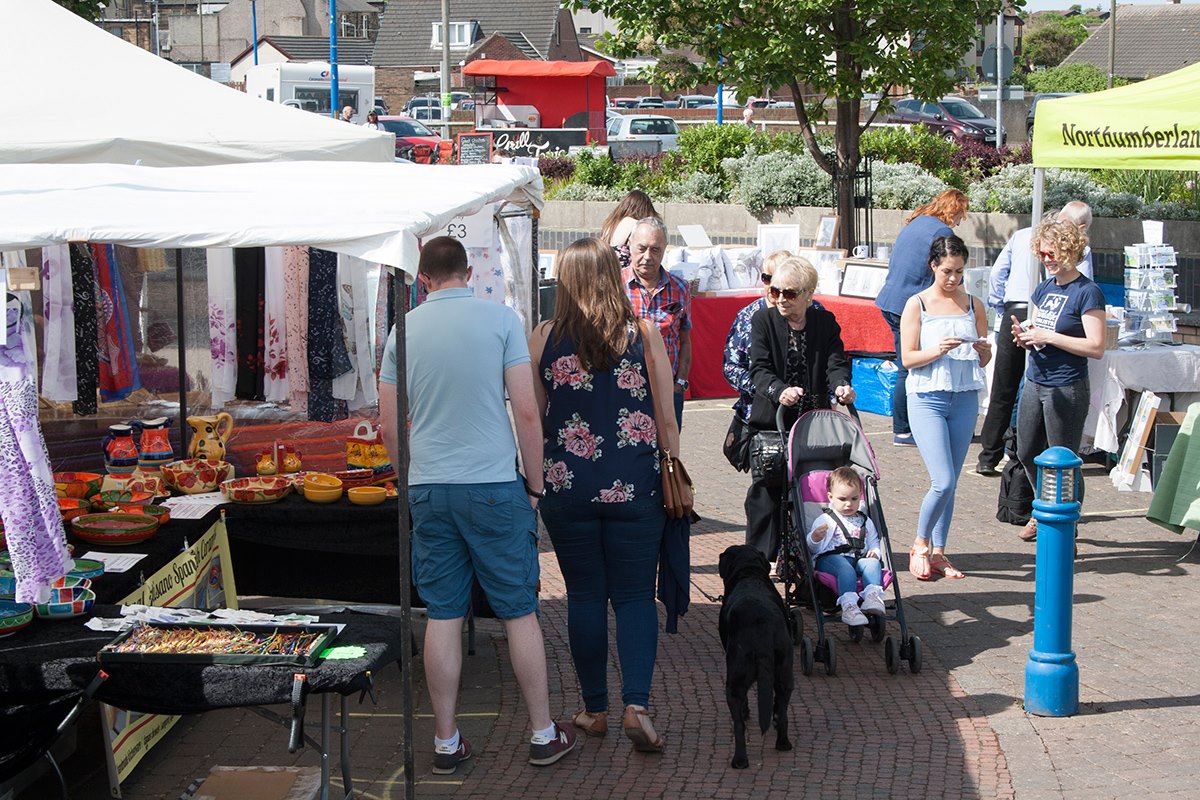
point(445, 82)
point(1112, 42)
point(181, 353)
point(200, 19)
point(254, 27)
point(157, 49)
point(1039, 193)
point(999, 77)
point(335, 106)
point(400, 302)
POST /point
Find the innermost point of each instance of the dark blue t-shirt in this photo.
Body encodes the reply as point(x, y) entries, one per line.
point(1061, 309)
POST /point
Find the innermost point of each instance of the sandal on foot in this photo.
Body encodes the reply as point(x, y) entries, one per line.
point(918, 563)
point(940, 565)
point(1029, 532)
point(640, 730)
point(593, 723)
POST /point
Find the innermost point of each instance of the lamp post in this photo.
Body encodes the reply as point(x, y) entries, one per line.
point(254, 27)
point(1051, 674)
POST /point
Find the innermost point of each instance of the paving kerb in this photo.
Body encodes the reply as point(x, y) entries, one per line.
point(957, 729)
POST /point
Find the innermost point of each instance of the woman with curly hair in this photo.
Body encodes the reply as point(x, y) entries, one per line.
point(909, 273)
point(619, 226)
point(603, 505)
point(1066, 328)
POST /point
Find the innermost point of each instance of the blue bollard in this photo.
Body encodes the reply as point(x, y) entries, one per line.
point(1051, 674)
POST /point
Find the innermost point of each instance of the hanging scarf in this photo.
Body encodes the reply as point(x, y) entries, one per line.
point(357, 386)
point(222, 335)
point(58, 312)
point(330, 360)
point(249, 277)
point(382, 319)
point(87, 368)
point(118, 367)
point(275, 360)
point(295, 286)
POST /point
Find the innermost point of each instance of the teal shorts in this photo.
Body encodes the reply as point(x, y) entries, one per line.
point(483, 530)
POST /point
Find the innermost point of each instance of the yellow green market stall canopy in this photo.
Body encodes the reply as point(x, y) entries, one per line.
point(1154, 124)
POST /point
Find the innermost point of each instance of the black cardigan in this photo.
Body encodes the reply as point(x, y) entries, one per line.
point(828, 366)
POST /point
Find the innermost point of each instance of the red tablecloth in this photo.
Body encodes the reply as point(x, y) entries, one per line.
point(863, 329)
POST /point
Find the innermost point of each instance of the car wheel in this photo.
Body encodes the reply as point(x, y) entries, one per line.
point(949, 136)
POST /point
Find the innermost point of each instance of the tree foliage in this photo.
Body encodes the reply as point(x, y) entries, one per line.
point(1052, 39)
point(829, 53)
point(1071, 78)
point(88, 9)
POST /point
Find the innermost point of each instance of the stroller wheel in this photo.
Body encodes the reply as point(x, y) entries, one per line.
point(806, 655)
point(878, 627)
point(891, 655)
point(914, 654)
point(856, 633)
point(830, 658)
point(795, 625)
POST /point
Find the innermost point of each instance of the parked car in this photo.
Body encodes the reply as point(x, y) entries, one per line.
point(630, 128)
point(626, 102)
point(781, 104)
point(458, 100)
point(697, 101)
point(952, 118)
point(414, 141)
point(650, 102)
point(1033, 106)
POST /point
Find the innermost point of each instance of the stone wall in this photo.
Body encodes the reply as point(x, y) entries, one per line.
point(985, 234)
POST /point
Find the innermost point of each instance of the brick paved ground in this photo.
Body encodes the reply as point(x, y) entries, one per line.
point(955, 730)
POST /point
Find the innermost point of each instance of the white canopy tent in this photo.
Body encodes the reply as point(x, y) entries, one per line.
point(76, 94)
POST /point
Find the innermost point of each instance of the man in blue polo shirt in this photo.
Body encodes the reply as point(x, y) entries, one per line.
point(472, 512)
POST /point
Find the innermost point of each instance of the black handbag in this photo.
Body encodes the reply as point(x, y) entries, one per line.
point(737, 444)
point(768, 454)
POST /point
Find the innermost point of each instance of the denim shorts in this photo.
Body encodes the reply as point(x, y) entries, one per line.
point(482, 530)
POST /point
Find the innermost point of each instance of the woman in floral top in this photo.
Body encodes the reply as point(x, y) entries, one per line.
point(603, 505)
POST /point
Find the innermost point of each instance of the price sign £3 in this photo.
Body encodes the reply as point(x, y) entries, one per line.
point(476, 230)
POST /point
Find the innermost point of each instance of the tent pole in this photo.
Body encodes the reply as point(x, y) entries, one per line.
point(404, 528)
point(1039, 190)
point(181, 351)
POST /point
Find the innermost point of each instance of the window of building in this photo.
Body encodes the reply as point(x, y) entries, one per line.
point(585, 29)
point(462, 34)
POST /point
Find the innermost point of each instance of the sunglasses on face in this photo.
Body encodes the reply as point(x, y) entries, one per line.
point(786, 294)
point(1047, 256)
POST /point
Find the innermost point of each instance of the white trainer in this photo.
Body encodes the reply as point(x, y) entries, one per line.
point(872, 602)
point(852, 616)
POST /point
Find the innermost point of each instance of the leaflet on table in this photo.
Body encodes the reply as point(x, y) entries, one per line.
point(194, 506)
point(131, 614)
point(115, 562)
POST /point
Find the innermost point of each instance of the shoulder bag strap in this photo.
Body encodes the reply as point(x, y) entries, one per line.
point(661, 411)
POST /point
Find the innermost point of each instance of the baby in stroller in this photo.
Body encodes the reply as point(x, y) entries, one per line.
point(845, 544)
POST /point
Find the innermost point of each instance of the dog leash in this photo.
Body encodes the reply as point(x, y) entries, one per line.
point(719, 598)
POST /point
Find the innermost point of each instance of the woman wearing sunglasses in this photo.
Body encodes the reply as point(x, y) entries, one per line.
point(944, 346)
point(1066, 328)
point(797, 361)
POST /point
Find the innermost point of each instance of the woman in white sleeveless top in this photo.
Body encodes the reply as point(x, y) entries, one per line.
point(944, 345)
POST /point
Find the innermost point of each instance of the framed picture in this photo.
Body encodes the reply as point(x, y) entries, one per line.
point(827, 230)
point(828, 264)
point(863, 278)
point(772, 238)
point(546, 264)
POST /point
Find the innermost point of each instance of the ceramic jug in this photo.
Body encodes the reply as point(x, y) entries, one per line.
point(155, 445)
point(265, 465)
point(209, 435)
point(291, 460)
point(120, 453)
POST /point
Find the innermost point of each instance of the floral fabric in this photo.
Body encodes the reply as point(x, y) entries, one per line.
point(330, 360)
point(221, 324)
point(275, 360)
point(87, 368)
point(295, 286)
point(600, 437)
point(58, 311)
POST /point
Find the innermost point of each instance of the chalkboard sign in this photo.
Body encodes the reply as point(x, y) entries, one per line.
point(474, 148)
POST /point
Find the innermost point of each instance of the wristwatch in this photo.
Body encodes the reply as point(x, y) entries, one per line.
point(539, 495)
point(682, 383)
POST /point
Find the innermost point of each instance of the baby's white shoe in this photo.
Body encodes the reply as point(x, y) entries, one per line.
point(851, 615)
point(872, 601)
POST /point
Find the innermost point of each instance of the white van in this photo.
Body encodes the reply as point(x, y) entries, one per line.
point(307, 85)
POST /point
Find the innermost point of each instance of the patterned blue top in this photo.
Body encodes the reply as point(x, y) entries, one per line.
point(601, 443)
point(737, 356)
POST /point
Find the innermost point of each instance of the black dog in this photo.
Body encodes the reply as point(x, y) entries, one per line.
point(758, 648)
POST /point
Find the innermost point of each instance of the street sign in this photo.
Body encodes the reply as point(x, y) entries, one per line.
point(989, 63)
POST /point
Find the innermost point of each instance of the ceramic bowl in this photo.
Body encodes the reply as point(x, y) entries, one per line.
point(367, 495)
point(8, 584)
point(80, 485)
point(66, 603)
point(70, 582)
point(14, 617)
point(153, 484)
point(106, 501)
point(196, 475)
point(264, 489)
point(86, 568)
point(160, 513)
point(114, 530)
point(73, 507)
point(322, 494)
point(355, 477)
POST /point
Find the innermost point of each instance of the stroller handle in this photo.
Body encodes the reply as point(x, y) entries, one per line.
point(852, 411)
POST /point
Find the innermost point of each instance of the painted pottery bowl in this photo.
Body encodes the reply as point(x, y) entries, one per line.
point(73, 507)
point(196, 475)
point(70, 582)
point(355, 477)
point(86, 568)
point(8, 584)
point(81, 485)
point(367, 495)
point(114, 530)
point(65, 603)
point(154, 484)
point(160, 513)
point(322, 494)
point(14, 617)
point(106, 501)
point(263, 489)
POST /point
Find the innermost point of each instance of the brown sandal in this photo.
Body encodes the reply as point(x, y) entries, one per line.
point(593, 723)
point(640, 730)
point(940, 565)
point(918, 563)
point(1029, 532)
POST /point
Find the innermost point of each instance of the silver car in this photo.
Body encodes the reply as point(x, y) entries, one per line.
point(644, 128)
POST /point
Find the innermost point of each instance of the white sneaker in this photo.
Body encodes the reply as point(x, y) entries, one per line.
point(872, 604)
point(852, 616)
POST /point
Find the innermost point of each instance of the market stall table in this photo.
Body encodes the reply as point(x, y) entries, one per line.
point(1162, 369)
point(863, 330)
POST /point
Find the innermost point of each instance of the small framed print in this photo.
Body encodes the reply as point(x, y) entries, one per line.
point(827, 229)
point(863, 278)
point(546, 265)
point(826, 261)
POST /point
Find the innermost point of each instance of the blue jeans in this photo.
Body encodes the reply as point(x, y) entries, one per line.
point(900, 422)
point(942, 426)
point(847, 571)
point(1050, 416)
point(679, 408)
point(608, 552)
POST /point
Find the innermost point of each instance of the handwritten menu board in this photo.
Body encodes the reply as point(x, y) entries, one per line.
point(474, 148)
